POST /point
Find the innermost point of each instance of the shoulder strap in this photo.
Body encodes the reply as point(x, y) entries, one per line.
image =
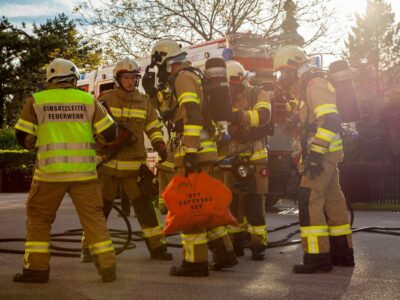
point(310, 75)
point(304, 80)
point(194, 70)
point(166, 117)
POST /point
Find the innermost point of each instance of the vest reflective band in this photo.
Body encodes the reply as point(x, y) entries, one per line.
point(65, 137)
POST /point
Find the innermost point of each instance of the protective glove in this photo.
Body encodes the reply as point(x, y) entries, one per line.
point(149, 82)
point(161, 149)
point(190, 162)
point(124, 137)
point(313, 164)
point(147, 183)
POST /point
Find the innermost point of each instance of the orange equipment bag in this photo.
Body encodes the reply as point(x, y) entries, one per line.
point(197, 202)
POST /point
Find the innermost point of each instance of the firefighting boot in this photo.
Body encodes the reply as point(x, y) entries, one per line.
point(222, 258)
point(257, 252)
point(159, 253)
point(314, 263)
point(194, 269)
point(345, 259)
point(86, 257)
point(108, 274)
point(34, 276)
point(341, 254)
point(238, 243)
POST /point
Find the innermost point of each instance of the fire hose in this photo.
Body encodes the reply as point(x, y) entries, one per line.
point(126, 238)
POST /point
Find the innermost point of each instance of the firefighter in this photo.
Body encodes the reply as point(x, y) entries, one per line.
point(324, 224)
point(252, 109)
point(62, 119)
point(135, 115)
point(193, 148)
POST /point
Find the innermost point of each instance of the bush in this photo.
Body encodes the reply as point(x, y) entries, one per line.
point(8, 139)
point(16, 168)
point(17, 160)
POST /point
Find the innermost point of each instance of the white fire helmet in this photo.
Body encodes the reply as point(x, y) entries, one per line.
point(167, 51)
point(61, 69)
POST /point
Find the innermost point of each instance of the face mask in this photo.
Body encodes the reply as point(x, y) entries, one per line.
point(162, 75)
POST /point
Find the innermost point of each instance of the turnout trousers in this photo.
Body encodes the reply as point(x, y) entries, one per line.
point(43, 202)
point(249, 209)
point(144, 208)
point(197, 243)
point(324, 222)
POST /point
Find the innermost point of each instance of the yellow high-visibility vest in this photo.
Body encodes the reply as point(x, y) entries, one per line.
point(65, 139)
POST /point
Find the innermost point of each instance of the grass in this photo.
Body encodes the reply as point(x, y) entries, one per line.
point(376, 206)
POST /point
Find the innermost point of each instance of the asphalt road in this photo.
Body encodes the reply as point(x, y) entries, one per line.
point(376, 275)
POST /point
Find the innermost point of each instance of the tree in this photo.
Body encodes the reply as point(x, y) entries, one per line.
point(24, 57)
point(12, 45)
point(132, 26)
point(372, 49)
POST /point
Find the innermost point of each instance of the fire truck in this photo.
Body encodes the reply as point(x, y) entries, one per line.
point(254, 52)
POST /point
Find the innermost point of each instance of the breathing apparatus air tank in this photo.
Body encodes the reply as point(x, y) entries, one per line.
point(218, 93)
point(346, 100)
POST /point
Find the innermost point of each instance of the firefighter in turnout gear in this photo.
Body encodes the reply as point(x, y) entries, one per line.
point(324, 224)
point(62, 119)
point(252, 109)
point(193, 148)
point(135, 115)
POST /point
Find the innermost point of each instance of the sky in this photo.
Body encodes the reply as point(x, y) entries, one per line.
point(38, 11)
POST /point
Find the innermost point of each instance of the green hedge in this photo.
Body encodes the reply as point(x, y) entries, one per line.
point(8, 139)
point(16, 168)
point(17, 160)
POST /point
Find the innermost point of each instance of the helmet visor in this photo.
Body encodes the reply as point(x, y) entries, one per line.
point(180, 58)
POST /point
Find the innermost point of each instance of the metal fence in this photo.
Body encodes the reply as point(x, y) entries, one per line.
point(372, 182)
